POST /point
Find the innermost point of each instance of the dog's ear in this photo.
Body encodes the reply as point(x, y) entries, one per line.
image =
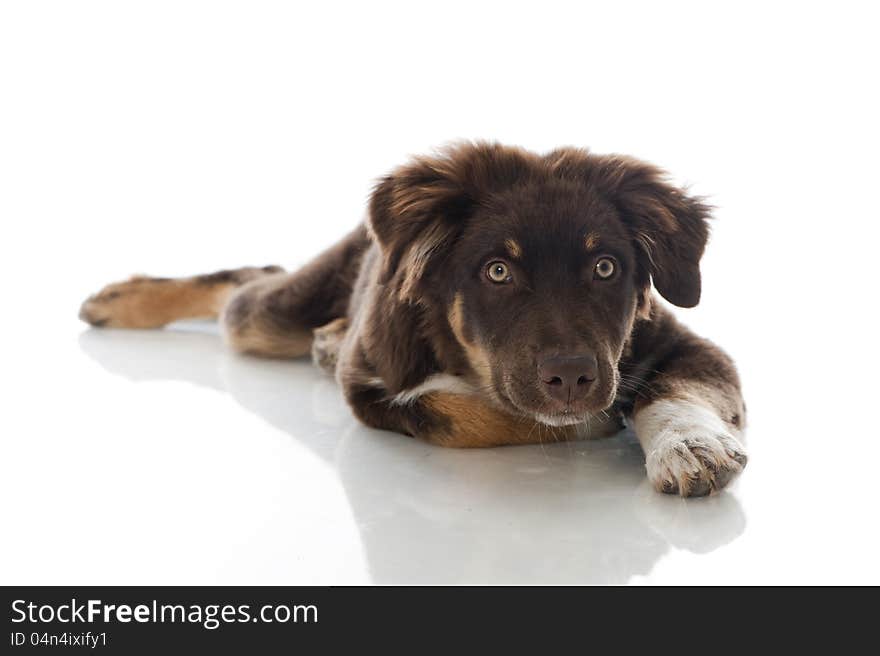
point(669, 227)
point(413, 212)
point(419, 208)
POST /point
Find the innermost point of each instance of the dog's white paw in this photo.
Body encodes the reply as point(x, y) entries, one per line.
point(688, 449)
point(694, 463)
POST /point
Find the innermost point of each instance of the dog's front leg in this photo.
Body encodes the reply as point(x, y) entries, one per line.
point(690, 432)
point(689, 416)
point(689, 449)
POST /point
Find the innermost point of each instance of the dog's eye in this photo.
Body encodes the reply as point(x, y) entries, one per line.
point(604, 268)
point(498, 272)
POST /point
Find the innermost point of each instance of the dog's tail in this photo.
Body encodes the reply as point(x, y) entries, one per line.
point(144, 302)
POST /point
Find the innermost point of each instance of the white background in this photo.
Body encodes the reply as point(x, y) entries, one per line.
point(182, 137)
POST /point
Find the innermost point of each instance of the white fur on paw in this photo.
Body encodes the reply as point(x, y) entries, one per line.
point(689, 450)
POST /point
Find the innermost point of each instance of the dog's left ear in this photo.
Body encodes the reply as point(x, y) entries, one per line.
point(669, 226)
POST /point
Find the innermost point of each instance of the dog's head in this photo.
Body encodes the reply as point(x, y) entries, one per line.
point(537, 267)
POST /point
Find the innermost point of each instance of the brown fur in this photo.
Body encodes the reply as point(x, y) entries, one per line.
point(143, 302)
point(327, 342)
point(475, 423)
point(404, 302)
point(477, 359)
point(678, 364)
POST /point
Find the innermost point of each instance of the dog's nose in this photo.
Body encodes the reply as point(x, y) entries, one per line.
point(567, 378)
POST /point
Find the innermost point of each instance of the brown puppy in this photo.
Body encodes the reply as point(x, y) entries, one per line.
point(494, 297)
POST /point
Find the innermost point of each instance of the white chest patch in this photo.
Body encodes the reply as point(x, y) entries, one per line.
point(435, 383)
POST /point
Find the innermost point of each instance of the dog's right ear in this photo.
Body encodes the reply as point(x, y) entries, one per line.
point(416, 213)
point(413, 212)
point(419, 208)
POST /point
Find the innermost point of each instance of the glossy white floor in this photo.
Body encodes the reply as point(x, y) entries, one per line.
point(158, 457)
point(187, 137)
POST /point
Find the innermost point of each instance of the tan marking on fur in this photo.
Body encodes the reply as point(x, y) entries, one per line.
point(513, 248)
point(147, 303)
point(326, 343)
point(266, 341)
point(254, 333)
point(474, 423)
point(415, 198)
point(333, 328)
point(477, 357)
point(591, 241)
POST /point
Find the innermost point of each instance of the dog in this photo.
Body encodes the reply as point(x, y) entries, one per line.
point(494, 296)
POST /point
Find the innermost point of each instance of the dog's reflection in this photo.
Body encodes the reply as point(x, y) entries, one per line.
point(554, 513)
